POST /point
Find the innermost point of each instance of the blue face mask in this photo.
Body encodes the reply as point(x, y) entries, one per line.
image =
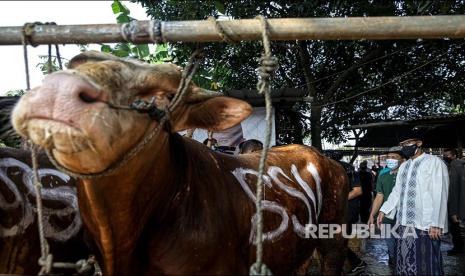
point(392, 163)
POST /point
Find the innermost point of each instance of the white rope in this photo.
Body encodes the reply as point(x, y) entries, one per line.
point(268, 65)
point(46, 259)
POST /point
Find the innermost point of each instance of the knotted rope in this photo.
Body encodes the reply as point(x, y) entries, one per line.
point(26, 36)
point(268, 64)
point(46, 259)
point(155, 33)
point(131, 31)
point(221, 31)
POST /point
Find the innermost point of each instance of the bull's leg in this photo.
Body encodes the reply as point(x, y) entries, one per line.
point(311, 264)
point(332, 255)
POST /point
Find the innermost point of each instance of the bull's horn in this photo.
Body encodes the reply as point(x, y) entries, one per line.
point(199, 94)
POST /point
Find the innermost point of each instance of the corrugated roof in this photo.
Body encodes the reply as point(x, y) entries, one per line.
point(436, 131)
point(431, 119)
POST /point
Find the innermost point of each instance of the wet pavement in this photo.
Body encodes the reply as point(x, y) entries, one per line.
point(374, 253)
point(376, 257)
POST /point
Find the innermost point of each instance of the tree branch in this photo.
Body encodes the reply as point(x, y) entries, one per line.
point(332, 90)
point(359, 113)
point(305, 62)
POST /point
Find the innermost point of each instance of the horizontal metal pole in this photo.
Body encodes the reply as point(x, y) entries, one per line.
point(349, 28)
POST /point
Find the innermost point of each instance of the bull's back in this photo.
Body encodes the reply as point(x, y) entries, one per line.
point(293, 172)
point(301, 187)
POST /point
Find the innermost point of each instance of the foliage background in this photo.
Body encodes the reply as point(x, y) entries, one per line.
point(334, 71)
point(351, 82)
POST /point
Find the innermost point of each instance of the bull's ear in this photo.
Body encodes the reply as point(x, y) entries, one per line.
point(214, 113)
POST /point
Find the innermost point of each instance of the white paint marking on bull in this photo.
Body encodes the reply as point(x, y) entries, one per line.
point(271, 206)
point(313, 170)
point(298, 227)
point(63, 194)
point(240, 174)
point(27, 217)
point(304, 185)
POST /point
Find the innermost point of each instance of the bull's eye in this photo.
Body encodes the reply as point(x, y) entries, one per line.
point(87, 98)
point(170, 97)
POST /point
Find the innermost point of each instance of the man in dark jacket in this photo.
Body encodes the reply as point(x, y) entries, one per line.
point(366, 179)
point(456, 202)
point(356, 264)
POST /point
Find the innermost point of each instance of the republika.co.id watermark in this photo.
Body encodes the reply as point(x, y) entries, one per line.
point(361, 231)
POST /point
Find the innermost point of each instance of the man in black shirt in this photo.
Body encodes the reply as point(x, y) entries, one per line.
point(456, 201)
point(353, 212)
point(366, 179)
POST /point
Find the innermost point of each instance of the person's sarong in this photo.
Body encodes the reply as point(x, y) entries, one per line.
point(417, 256)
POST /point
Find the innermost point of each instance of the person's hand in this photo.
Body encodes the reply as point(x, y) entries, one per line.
point(455, 219)
point(434, 233)
point(370, 221)
point(379, 221)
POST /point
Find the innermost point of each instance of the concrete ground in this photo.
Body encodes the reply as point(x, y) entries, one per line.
point(376, 257)
point(374, 253)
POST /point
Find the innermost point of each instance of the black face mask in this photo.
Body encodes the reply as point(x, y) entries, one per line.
point(409, 151)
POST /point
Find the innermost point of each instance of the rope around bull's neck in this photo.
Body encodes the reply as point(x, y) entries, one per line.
point(186, 78)
point(84, 265)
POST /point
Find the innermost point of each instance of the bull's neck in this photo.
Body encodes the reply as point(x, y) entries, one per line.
point(116, 208)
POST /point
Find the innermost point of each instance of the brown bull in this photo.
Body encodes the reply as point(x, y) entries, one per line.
point(19, 238)
point(178, 207)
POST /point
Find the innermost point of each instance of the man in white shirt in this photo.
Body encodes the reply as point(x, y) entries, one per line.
point(419, 199)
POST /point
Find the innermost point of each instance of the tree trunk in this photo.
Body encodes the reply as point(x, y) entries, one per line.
point(315, 124)
point(355, 155)
point(297, 127)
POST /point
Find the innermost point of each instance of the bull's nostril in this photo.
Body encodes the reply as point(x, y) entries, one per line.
point(87, 98)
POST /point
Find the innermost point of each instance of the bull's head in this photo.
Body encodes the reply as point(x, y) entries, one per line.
point(68, 114)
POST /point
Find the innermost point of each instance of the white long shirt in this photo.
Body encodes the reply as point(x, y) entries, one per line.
point(419, 197)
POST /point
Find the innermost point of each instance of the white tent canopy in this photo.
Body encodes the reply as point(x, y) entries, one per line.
point(253, 127)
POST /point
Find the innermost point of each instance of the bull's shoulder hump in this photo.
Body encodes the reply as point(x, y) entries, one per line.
point(297, 153)
point(295, 148)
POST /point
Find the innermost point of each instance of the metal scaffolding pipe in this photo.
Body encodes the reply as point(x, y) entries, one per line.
point(349, 28)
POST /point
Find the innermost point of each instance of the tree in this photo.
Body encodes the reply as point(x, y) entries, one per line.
point(162, 52)
point(339, 75)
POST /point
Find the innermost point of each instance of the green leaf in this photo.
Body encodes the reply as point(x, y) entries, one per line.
point(220, 7)
point(161, 47)
point(123, 47)
point(120, 53)
point(118, 7)
point(106, 49)
point(143, 50)
point(18, 92)
point(123, 18)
